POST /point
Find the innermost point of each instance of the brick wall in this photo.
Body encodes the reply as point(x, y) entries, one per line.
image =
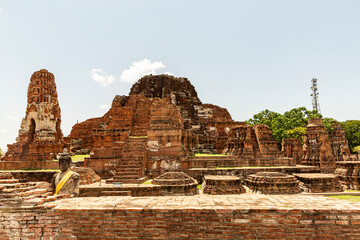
point(180, 224)
point(20, 165)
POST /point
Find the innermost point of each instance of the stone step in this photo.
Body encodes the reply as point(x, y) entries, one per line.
point(115, 193)
point(19, 189)
point(7, 181)
point(32, 192)
point(121, 172)
point(127, 169)
point(127, 176)
point(129, 164)
point(11, 185)
point(13, 200)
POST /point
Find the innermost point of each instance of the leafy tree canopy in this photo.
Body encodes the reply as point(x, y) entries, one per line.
point(293, 124)
point(290, 124)
point(352, 130)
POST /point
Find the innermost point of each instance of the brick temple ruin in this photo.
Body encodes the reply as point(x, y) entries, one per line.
point(241, 184)
point(40, 136)
point(160, 126)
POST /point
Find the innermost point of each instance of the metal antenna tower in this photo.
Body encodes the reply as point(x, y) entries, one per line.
point(315, 95)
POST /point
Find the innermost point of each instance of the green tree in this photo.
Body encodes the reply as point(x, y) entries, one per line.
point(297, 132)
point(352, 130)
point(290, 124)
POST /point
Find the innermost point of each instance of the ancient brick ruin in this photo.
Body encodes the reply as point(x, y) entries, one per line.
point(40, 136)
point(176, 183)
point(323, 149)
point(215, 184)
point(154, 133)
point(292, 148)
point(318, 182)
point(348, 173)
point(251, 142)
point(159, 126)
point(272, 183)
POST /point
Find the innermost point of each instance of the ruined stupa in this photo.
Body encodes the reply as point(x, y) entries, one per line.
point(40, 136)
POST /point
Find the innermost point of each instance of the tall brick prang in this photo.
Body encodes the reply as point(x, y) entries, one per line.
point(40, 136)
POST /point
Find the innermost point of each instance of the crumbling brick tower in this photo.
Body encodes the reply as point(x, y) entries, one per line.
point(40, 136)
point(317, 147)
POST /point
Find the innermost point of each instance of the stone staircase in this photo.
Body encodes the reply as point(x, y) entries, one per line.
point(130, 168)
point(14, 192)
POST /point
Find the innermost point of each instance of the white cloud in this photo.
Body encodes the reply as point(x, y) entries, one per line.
point(4, 131)
point(99, 76)
point(140, 69)
point(104, 106)
point(1, 11)
point(9, 117)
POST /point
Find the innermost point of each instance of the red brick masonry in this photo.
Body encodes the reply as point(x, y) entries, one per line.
point(246, 216)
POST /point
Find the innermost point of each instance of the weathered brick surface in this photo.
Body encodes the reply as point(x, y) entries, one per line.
point(317, 182)
point(20, 165)
point(222, 185)
point(150, 218)
point(40, 136)
point(272, 183)
point(348, 173)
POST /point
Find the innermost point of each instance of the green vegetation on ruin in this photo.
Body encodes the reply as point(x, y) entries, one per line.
point(147, 182)
point(199, 187)
point(79, 158)
point(292, 124)
point(138, 136)
point(346, 197)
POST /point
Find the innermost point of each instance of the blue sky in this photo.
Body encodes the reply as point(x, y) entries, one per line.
point(246, 56)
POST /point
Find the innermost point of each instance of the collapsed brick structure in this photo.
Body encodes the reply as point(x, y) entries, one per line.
point(318, 182)
point(272, 183)
point(348, 173)
point(251, 142)
point(40, 136)
point(323, 149)
point(292, 148)
point(13, 192)
point(176, 183)
point(158, 126)
point(136, 134)
point(222, 185)
point(338, 142)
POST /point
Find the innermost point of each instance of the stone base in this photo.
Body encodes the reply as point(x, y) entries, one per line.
point(222, 185)
point(348, 173)
point(176, 183)
point(318, 182)
point(272, 183)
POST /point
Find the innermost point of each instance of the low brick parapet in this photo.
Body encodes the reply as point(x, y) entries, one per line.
point(245, 216)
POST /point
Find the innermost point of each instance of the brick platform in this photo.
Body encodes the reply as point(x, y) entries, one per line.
point(273, 183)
point(245, 216)
point(318, 182)
point(222, 185)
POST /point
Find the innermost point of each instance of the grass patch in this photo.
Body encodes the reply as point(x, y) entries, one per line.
point(147, 182)
point(79, 158)
point(209, 155)
point(346, 197)
point(199, 187)
point(352, 191)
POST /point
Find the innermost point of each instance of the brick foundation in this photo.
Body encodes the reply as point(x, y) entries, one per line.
point(179, 224)
point(20, 165)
